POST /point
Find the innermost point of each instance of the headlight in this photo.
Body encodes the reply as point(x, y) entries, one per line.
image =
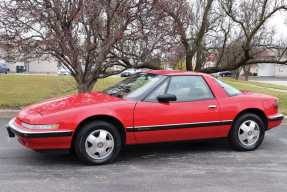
point(53, 126)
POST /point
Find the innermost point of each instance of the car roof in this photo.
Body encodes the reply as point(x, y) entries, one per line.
point(174, 72)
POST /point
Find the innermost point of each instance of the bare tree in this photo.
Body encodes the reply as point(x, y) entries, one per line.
point(250, 23)
point(209, 27)
point(192, 22)
point(86, 36)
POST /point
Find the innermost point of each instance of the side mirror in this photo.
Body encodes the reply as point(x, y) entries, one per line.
point(166, 98)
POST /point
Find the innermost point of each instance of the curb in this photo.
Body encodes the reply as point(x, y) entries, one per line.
point(284, 122)
point(9, 114)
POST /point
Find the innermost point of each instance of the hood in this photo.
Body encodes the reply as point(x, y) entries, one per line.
point(67, 102)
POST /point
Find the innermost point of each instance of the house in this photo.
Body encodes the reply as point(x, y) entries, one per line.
point(39, 65)
point(270, 69)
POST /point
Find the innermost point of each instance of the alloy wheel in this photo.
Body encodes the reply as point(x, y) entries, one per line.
point(248, 132)
point(99, 144)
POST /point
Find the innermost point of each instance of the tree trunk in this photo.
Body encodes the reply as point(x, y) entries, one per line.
point(246, 77)
point(85, 87)
point(198, 59)
point(246, 70)
point(189, 62)
point(233, 74)
point(237, 72)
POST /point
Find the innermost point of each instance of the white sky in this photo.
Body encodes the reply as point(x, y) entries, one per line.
point(279, 21)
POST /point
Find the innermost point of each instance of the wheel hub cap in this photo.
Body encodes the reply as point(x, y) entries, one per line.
point(248, 132)
point(99, 144)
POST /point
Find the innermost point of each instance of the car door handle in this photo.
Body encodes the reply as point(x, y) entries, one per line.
point(212, 106)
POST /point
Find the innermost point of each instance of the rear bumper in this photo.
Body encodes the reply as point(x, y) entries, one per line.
point(40, 139)
point(275, 121)
point(276, 118)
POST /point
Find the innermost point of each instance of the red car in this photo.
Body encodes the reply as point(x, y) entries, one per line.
point(149, 107)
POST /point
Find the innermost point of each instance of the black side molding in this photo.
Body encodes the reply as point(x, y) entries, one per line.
point(178, 126)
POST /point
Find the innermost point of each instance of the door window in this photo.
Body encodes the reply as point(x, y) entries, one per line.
point(189, 88)
point(158, 91)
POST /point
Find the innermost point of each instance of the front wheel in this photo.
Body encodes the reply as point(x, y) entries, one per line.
point(7, 72)
point(97, 143)
point(247, 132)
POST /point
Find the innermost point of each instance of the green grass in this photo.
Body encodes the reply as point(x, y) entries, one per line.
point(18, 91)
point(256, 83)
point(282, 97)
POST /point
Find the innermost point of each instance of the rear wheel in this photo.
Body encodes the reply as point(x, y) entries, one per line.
point(98, 142)
point(247, 132)
point(7, 72)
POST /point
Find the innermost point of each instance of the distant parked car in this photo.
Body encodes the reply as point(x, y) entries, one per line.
point(4, 68)
point(225, 73)
point(63, 71)
point(128, 72)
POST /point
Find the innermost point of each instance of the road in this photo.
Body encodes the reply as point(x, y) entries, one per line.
point(205, 166)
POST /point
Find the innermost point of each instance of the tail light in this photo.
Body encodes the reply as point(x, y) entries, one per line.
point(276, 104)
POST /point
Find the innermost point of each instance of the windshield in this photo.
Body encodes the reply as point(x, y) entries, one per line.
point(133, 86)
point(231, 91)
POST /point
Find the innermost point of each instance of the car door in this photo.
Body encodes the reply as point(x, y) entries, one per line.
point(194, 115)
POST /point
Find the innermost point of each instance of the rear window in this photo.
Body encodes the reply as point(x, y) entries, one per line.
point(231, 91)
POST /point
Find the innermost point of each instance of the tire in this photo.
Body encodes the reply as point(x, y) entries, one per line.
point(223, 75)
point(7, 72)
point(97, 143)
point(247, 132)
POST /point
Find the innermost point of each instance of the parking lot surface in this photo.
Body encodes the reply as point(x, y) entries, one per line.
point(202, 166)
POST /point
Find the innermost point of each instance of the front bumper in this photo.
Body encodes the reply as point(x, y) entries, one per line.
point(15, 130)
point(38, 139)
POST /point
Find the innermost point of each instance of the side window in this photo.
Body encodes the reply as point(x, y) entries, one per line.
point(189, 88)
point(158, 91)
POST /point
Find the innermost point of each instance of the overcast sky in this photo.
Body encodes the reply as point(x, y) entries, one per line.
point(278, 21)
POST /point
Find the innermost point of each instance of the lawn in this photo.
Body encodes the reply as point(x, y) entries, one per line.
point(268, 85)
point(18, 91)
point(282, 97)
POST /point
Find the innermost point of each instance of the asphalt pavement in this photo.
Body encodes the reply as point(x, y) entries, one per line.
point(271, 80)
point(204, 166)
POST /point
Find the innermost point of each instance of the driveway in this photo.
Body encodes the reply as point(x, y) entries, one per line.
point(271, 80)
point(205, 166)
